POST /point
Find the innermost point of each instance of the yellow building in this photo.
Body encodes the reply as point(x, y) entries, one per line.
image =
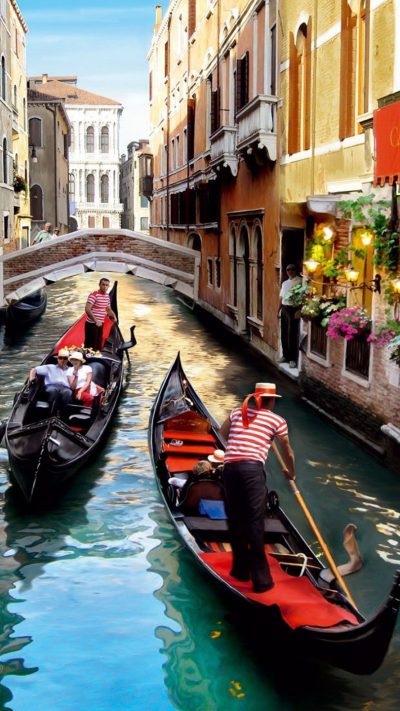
point(22, 218)
point(340, 69)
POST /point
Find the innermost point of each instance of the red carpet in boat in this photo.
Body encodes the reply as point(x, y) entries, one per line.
point(299, 602)
point(76, 335)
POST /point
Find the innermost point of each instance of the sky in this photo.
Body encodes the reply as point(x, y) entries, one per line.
point(103, 43)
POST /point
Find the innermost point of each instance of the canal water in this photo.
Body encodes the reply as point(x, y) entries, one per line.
point(101, 606)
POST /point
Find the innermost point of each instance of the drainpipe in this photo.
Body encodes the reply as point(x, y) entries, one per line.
point(314, 100)
point(54, 112)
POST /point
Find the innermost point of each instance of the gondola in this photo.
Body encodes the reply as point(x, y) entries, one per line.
point(46, 448)
point(24, 312)
point(314, 615)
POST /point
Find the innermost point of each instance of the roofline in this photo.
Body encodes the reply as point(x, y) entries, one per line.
point(19, 15)
point(59, 102)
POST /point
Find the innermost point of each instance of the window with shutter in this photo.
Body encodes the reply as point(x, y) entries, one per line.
point(192, 17)
point(215, 110)
point(347, 71)
point(191, 119)
point(35, 132)
point(242, 82)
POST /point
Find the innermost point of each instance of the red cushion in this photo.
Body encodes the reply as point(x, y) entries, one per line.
point(188, 449)
point(181, 464)
point(299, 602)
point(189, 436)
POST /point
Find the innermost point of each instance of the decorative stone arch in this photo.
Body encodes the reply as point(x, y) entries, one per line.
point(194, 241)
point(243, 276)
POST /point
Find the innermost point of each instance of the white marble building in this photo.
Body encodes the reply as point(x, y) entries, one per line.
point(93, 154)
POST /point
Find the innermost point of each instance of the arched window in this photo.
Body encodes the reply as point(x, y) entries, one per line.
point(71, 183)
point(5, 161)
point(194, 242)
point(26, 171)
point(3, 79)
point(260, 289)
point(35, 132)
point(363, 57)
point(90, 140)
point(36, 196)
point(90, 188)
point(104, 140)
point(233, 258)
point(299, 90)
point(104, 188)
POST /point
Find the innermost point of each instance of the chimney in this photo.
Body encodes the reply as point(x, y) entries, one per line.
point(158, 17)
point(45, 78)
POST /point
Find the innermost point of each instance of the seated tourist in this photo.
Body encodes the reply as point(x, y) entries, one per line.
point(56, 385)
point(216, 459)
point(80, 380)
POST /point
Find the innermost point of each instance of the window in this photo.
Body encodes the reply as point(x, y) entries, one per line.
point(210, 271)
point(218, 272)
point(166, 59)
point(15, 98)
point(16, 162)
point(26, 171)
point(192, 17)
point(90, 188)
point(35, 132)
point(144, 224)
point(177, 152)
point(106, 222)
point(260, 285)
point(24, 112)
point(36, 196)
point(273, 60)
point(318, 339)
point(144, 201)
point(215, 110)
point(90, 140)
point(5, 161)
point(66, 141)
point(72, 139)
point(104, 140)
point(242, 81)
point(191, 121)
point(172, 161)
point(6, 227)
point(299, 90)
point(357, 355)
point(71, 186)
point(185, 144)
point(3, 79)
point(104, 188)
point(91, 221)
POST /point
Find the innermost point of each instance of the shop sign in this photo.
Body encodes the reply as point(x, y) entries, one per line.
point(387, 143)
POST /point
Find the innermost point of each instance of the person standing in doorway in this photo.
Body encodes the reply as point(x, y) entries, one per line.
point(97, 308)
point(249, 432)
point(289, 318)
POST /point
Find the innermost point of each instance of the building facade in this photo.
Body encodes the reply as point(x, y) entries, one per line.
point(94, 153)
point(20, 140)
point(213, 108)
point(6, 117)
point(268, 127)
point(135, 214)
point(49, 136)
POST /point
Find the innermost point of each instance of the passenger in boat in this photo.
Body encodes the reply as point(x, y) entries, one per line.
point(80, 379)
point(216, 460)
point(56, 385)
point(249, 432)
point(96, 309)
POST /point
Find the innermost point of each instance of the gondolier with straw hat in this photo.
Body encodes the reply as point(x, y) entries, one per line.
point(249, 431)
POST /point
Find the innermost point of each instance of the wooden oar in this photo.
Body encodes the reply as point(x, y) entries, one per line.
point(313, 526)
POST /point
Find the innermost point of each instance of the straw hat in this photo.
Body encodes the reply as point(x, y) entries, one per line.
point(76, 355)
point(217, 457)
point(63, 353)
point(266, 390)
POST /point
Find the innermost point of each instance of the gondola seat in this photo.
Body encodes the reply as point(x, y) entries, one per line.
point(203, 489)
point(100, 373)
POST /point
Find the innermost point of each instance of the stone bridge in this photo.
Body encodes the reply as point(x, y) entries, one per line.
point(122, 251)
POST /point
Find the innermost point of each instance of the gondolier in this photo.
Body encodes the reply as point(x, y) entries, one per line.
point(97, 308)
point(249, 432)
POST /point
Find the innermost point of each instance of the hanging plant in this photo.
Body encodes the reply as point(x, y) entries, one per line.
point(19, 184)
point(394, 348)
point(348, 323)
point(320, 308)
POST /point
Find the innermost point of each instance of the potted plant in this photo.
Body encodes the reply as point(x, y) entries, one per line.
point(319, 308)
point(388, 335)
point(19, 184)
point(348, 323)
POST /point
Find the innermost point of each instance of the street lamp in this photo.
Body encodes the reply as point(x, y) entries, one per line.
point(311, 265)
point(33, 155)
point(366, 237)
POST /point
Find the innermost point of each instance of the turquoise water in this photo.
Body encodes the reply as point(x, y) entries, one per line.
point(103, 609)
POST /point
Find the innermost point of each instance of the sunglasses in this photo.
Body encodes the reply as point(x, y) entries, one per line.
point(62, 357)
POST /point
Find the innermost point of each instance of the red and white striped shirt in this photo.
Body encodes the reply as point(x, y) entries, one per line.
point(253, 443)
point(100, 303)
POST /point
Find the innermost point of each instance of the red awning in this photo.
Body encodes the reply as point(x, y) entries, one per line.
point(387, 144)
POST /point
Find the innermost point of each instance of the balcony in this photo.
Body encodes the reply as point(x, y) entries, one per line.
point(257, 126)
point(223, 149)
point(146, 186)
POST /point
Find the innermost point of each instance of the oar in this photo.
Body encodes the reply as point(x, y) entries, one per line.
point(313, 526)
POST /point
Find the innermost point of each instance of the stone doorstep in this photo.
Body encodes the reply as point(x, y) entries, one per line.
point(292, 373)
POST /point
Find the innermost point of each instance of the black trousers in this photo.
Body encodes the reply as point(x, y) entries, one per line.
point(59, 395)
point(290, 333)
point(93, 336)
point(246, 493)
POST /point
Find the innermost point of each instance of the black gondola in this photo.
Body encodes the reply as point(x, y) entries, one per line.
point(24, 312)
point(317, 616)
point(46, 448)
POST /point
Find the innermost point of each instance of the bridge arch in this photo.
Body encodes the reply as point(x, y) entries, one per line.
point(122, 251)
